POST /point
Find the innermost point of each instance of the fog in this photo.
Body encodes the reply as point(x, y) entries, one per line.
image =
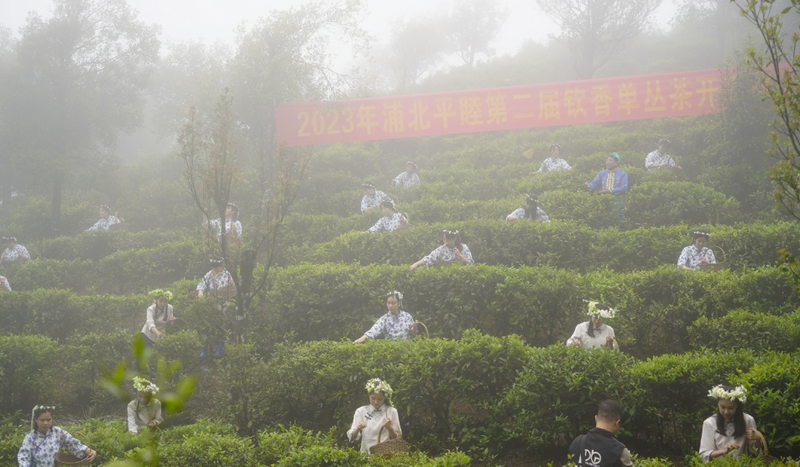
point(213, 20)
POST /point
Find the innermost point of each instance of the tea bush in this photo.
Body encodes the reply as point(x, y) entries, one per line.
point(743, 329)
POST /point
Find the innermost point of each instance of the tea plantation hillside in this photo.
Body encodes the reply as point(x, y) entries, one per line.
point(489, 381)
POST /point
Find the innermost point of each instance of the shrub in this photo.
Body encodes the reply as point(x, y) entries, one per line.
point(667, 203)
point(742, 329)
point(27, 373)
point(557, 394)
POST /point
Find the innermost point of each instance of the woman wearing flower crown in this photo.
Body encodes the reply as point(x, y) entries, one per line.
point(145, 410)
point(369, 419)
point(451, 251)
point(730, 431)
point(697, 253)
point(40, 446)
point(158, 316)
point(395, 325)
point(595, 333)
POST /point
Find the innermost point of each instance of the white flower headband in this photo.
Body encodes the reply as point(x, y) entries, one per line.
point(738, 393)
point(397, 295)
point(376, 385)
point(143, 385)
point(598, 313)
point(46, 408)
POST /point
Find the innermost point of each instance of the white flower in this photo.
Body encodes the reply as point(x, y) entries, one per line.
point(143, 385)
point(594, 311)
point(738, 393)
point(376, 385)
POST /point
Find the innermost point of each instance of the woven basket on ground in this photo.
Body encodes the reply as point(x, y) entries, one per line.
point(390, 446)
point(63, 458)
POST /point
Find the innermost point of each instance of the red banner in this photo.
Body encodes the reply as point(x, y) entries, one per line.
point(536, 105)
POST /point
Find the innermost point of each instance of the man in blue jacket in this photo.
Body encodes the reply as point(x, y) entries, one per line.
point(612, 181)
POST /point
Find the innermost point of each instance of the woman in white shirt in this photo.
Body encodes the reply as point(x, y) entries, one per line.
point(595, 333)
point(145, 410)
point(369, 419)
point(158, 316)
point(730, 431)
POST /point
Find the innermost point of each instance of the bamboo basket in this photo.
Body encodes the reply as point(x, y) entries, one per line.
point(63, 458)
point(390, 447)
point(717, 266)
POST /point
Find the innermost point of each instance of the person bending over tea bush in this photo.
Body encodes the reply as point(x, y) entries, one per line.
point(408, 178)
point(531, 211)
point(395, 325)
point(391, 220)
point(14, 253)
point(159, 315)
point(372, 197)
point(145, 410)
point(106, 219)
point(595, 333)
point(697, 254)
point(368, 420)
point(730, 431)
point(452, 251)
point(45, 441)
point(599, 447)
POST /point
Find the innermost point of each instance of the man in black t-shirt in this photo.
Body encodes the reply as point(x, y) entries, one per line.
point(599, 447)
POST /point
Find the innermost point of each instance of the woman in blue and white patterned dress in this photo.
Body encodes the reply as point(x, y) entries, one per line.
point(106, 219)
point(408, 178)
point(391, 220)
point(232, 224)
point(553, 163)
point(531, 211)
point(697, 253)
point(452, 251)
point(40, 446)
point(14, 252)
point(372, 197)
point(395, 325)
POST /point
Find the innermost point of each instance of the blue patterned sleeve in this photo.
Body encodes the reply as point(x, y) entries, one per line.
point(25, 454)
point(24, 252)
point(414, 180)
point(433, 257)
point(542, 215)
point(517, 213)
point(72, 445)
point(467, 254)
point(377, 328)
point(377, 227)
point(238, 226)
point(683, 257)
point(649, 160)
point(566, 165)
point(95, 226)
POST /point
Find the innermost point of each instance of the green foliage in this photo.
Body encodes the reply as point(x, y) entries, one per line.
point(573, 381)
point(27, 373)
point(671, 397)
point(742, 329)
point(657, 203)
point(207, 449)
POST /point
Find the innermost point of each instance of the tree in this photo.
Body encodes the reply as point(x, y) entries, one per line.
point(416, 47)
point(285, 58)
point(473, 26)
point(778, 63)
point(77, 83)
point(598, 29)
point(190, 74)
point(212, 156)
